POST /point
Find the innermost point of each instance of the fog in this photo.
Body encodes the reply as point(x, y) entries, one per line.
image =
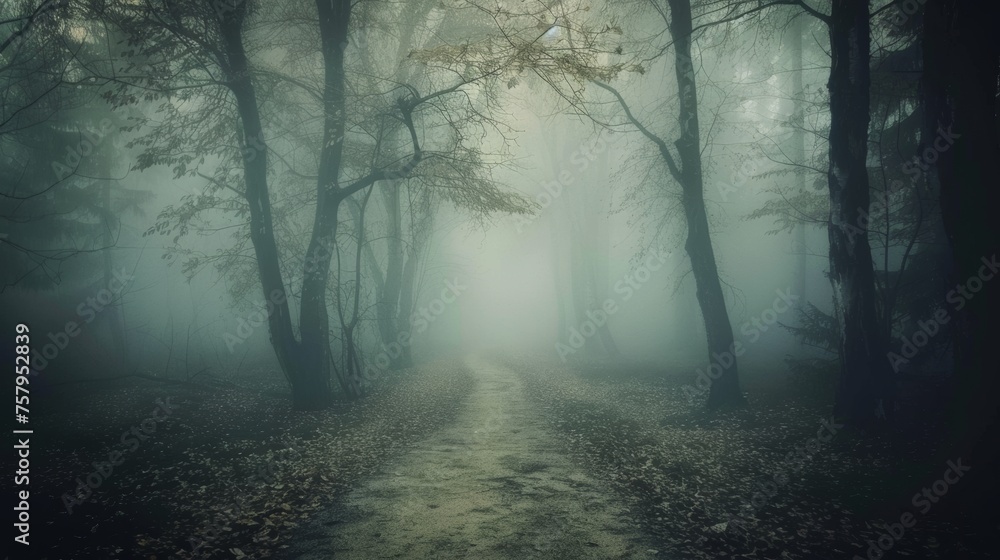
point(518, 279)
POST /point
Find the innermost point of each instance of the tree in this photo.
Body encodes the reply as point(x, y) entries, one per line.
point(902, 221)
point(797, 145)
point(961, 63)
point(686, 169)
point(863, 368)
point(201, 54)
point(36, 61)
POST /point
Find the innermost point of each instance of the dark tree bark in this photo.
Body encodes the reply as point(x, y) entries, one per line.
point(726, 389)
point(407, 287)
point(797, 148)
point(113, 312)
point(314, 323)
point(261, 224)
point(961, 56)
point(306, 361)
point(422, 212)
point(863, 369)
point(374, 270)
point(686, 169)
point(386, 309)
point(314, 327)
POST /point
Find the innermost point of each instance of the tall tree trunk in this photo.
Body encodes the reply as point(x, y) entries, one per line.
point(374, 270)
point(113, 313)
point(725, 390)
point(306, 362)
point(797, 148)
point(421, 230)
point(314, 322)
point(349, 376)
point(261, 225)
point(687, 171)
point(386, 309)
point(961, 71)
point(408, 285)
point(863, 368)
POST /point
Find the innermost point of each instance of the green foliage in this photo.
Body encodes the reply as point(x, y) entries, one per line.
point(556, 46)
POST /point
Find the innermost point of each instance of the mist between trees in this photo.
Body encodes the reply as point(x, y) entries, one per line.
point(663, 234)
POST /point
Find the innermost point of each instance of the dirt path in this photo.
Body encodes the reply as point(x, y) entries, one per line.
point(492, 485)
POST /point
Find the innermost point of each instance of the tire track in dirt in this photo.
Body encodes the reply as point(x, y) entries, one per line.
point(493, 484)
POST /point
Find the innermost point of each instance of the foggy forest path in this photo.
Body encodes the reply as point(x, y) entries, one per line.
point(493, 484)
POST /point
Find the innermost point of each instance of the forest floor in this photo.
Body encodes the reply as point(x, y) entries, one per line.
point(487, 457)
point(716, 484)
point(229, 473)
point(597, 460)
point(496, 483)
